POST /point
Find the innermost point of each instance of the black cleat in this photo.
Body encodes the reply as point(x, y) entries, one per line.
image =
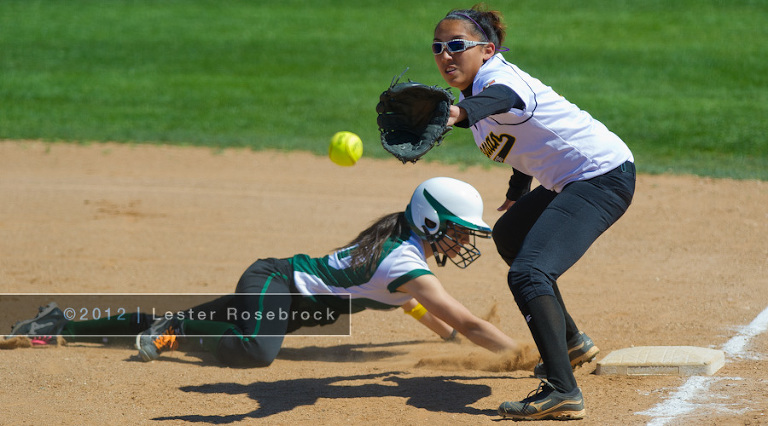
point(547, 403)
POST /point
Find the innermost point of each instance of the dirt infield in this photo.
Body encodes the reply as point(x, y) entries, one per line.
point(687, 265)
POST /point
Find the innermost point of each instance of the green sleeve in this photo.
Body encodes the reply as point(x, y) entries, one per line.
point(394, 285)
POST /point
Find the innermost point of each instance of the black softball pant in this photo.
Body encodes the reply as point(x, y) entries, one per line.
point(265, 307)
point(255, 340)
point(544, 233)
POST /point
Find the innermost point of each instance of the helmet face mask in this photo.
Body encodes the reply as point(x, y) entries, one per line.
point(458, 244)
point(447, 213)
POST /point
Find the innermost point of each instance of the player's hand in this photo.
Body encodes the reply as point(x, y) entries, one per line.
point(456, 115)
point(507, 204)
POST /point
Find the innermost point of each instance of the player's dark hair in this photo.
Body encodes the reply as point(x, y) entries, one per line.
point(370, 242)
point(488, 24)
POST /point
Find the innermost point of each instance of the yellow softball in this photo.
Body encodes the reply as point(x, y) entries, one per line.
point(345, 148)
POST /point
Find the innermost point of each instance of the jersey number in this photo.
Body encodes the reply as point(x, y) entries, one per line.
point(503, 143)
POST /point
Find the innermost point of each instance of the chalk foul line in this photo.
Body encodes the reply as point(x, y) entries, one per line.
point(681, 402)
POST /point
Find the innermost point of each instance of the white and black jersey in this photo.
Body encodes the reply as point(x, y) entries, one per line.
point(537, 131)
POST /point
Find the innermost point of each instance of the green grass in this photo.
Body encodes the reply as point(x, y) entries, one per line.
point(684, 83)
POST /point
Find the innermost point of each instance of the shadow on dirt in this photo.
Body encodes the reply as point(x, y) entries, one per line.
point(444, 394)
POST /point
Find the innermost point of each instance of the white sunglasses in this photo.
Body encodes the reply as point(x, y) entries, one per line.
point(455, 46)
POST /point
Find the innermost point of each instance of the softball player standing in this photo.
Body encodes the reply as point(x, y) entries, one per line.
point(587, 181)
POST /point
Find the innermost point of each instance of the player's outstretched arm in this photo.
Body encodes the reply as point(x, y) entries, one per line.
point(420, 313)
point(428, 290)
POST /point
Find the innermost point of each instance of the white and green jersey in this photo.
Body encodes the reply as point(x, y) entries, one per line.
point(402, 260)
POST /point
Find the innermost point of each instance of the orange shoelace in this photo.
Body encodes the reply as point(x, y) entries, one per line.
point(167, 340)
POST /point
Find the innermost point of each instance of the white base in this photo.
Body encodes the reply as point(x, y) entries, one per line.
point(662, 361)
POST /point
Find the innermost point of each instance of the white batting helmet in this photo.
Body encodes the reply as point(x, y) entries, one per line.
point(443, 203)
